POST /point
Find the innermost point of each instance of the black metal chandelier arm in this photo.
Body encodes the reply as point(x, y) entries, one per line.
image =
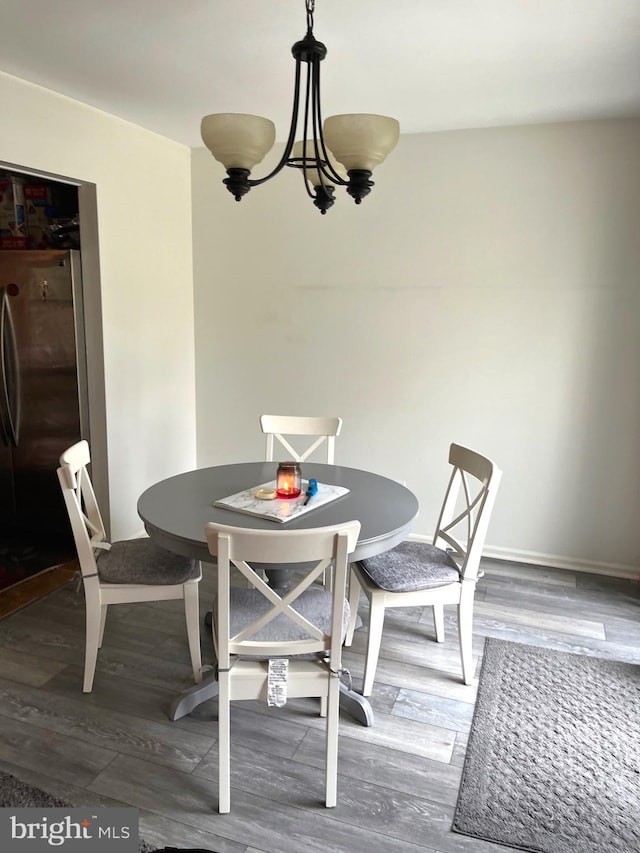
point(316, 121)
point(324, 163)
point(305, 137)
point(255, 182)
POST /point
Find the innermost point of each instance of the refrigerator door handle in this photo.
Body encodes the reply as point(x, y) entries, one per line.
point(10, 372)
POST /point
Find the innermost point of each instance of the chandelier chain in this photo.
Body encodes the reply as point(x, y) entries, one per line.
point(311, 7)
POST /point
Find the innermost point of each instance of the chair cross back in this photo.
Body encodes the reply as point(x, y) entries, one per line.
point(280, 426)
point(242, 643)
point(238, 546)
point(82, 507)
point(467, 506)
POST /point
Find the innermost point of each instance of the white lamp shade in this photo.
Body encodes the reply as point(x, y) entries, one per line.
point(311, 174)
point(237, 140)
point(361, 141)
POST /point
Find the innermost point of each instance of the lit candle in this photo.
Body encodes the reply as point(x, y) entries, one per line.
point(289, 480)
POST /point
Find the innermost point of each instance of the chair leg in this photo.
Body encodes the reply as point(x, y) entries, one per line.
point(224, 744)
point(465, 630)
point(354, 601)
point(103, 622)
point(192, 614)
point(374, 639)
point(93, 633)
point(438, 622)
point(333, 719)
point(323, 706)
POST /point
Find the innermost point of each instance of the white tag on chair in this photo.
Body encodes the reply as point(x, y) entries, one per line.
point(277, 682)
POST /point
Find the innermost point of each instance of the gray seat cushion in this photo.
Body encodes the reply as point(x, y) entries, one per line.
point(142, 561)
point(246, 605)
point(411, 566)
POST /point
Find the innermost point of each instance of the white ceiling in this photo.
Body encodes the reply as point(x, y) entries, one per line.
point(433, 64)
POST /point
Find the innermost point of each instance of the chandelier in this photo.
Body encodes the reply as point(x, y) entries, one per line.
point(341, 152)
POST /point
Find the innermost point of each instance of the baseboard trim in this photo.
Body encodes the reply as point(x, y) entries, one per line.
point(553, 561)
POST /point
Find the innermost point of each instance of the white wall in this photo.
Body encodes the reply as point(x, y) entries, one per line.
point(486, 292)
point(144, 228)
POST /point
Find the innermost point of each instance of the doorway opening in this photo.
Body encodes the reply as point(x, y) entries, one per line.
point(52, 380)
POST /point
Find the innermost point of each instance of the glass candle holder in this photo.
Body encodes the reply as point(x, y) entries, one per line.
point(288, 480)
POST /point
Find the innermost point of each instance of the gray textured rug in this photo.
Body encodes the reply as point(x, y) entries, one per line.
point(14, 793)
point(553, 762)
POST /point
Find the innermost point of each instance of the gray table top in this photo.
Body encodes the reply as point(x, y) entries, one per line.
point(175, 510)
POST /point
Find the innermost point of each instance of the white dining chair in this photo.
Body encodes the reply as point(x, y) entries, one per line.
point(416, 574)
point(126, 571)
point(283, 427)
point(304, 625)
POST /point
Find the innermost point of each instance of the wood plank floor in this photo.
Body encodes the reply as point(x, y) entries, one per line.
point(398, 779)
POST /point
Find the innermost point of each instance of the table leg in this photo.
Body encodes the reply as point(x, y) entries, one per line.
point(356, 705)
point(193, 696)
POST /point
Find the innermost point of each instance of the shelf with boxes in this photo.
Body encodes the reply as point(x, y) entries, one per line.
point(37, 214)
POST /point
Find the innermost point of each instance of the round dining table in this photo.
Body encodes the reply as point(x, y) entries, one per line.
point(176, 510)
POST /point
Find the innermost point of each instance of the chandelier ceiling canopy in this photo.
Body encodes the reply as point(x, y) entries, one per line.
point(341, 151)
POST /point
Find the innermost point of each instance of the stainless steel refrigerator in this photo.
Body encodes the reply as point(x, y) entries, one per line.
point(42, 384)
